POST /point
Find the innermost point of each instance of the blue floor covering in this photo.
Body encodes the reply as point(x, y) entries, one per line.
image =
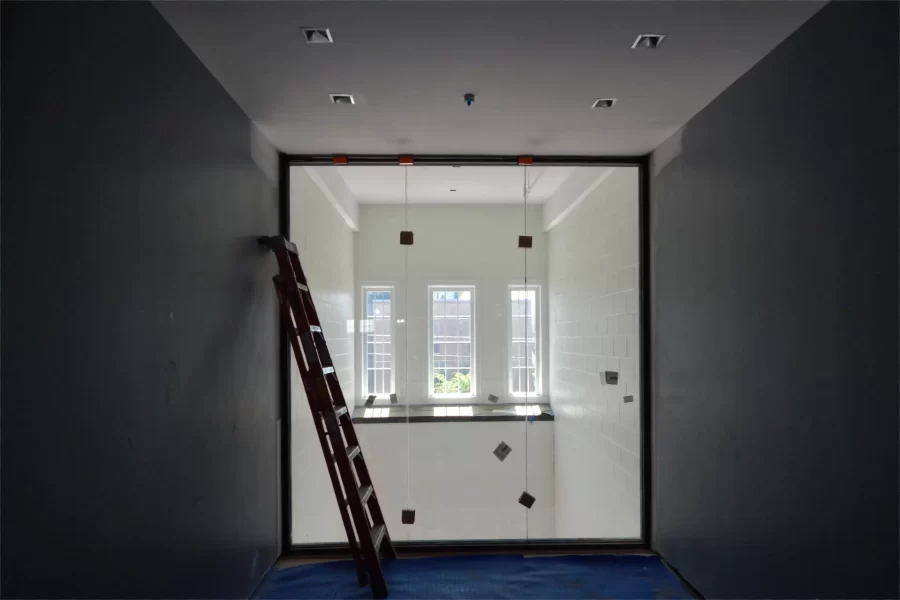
point(507, 576)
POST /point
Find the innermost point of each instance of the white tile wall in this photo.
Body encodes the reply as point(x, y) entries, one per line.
point(325, 244)
point(593, 260)
point(458, 488)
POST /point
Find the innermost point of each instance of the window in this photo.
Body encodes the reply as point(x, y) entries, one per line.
point(452, 348)
point(377, 329)
point(377, 413)
point(453, 411)
point(531, 410)
point(524, 340)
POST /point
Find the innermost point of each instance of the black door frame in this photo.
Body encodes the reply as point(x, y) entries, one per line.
point(286, 161)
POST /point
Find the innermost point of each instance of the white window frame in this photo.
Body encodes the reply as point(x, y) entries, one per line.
point(473, 369)
point(538, 341)
point(364, 354)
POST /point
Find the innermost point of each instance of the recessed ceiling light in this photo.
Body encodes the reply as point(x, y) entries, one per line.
point(314, 35)
point(603, 103)
point(649, 40)
point(342, 98)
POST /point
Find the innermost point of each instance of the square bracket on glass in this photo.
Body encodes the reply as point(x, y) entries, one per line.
point(492, 398)
point(502, 451)
point(406, 238)
point(370, 400)
point(612, 377)
point(394, 399)
point(524, 241)
point(629, 399)
point(408, 516)
point(526, 500)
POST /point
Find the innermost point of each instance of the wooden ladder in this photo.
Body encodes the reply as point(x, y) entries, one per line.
point(352, 484)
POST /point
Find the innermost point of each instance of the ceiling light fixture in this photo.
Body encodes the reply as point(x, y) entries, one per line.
point(315, 35)
point(651, 41)
point(342, 98)
point(603, 103)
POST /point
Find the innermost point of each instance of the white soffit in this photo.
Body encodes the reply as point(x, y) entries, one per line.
point(435, 184)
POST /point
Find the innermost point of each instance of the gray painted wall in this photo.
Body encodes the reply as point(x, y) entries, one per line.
point(774, 306)
point(140, 343)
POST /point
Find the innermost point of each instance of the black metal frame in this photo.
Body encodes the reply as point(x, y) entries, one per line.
point(548, 546)
point(284, 355)
point(450, 160)
point(480, 546)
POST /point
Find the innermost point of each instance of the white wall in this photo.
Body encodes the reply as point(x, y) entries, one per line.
point(593, 255)
point(576, 187)
point(464, 244)
point(457, 487)
point(325, 244)
point(332, 185)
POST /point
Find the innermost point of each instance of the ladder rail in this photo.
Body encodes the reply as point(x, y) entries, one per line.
point(337, 395)
point(354, 501)
point(361, 513)
point(365, 479)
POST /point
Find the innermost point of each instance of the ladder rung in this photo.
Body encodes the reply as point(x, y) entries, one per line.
point(340, 411)
point(312, 329)
point(377, 535)
point(303, 288)
point(327, 370)
point(365, 492)
point(352, 452)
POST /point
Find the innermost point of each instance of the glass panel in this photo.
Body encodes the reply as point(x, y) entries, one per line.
point(533, 350)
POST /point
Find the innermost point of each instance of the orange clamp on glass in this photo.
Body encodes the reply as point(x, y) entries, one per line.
point(526, 160)
point(339, 160)
point(406, 161)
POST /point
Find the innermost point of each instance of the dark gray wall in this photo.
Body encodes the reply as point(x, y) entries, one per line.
point(140, 347)
point(774, 305)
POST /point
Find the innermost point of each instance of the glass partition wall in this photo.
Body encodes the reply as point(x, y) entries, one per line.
point(493, 365)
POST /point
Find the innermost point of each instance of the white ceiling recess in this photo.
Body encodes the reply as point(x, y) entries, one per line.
point(451, 185)
point(535, 67)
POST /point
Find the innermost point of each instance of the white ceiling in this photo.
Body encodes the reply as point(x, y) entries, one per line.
point(536, 67)
point(473, 185)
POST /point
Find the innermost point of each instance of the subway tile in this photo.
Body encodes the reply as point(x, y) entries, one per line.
point(625, 324)
point(631, 302)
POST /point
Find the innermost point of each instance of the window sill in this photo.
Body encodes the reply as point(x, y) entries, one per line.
point(424, 413)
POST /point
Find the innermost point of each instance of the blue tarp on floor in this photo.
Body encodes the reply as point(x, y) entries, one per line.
point(485, 577)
